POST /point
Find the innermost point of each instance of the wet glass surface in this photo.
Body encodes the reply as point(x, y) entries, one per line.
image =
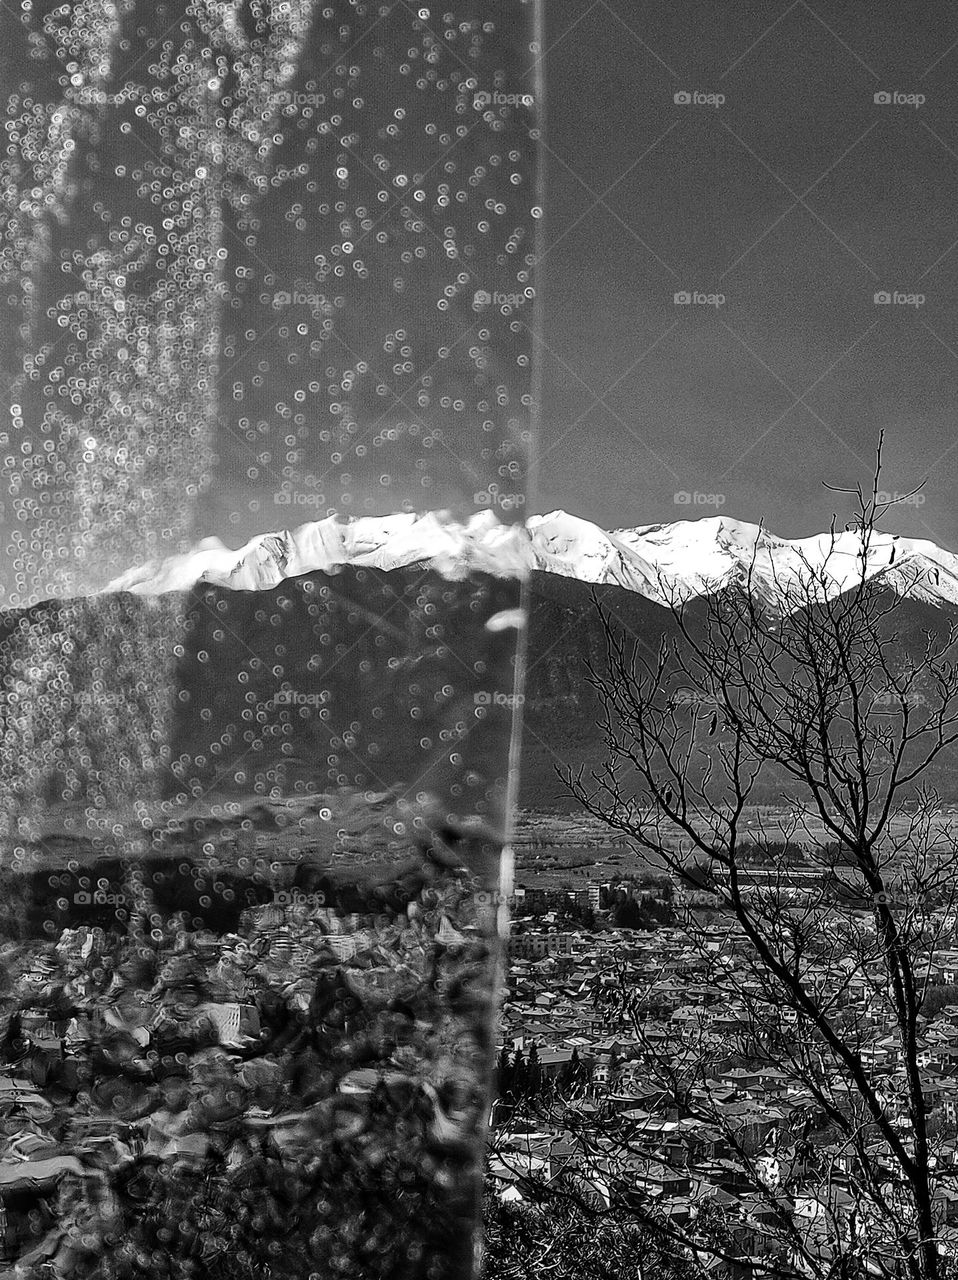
point(267, 355)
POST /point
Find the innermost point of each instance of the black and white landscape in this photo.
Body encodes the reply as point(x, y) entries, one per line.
point(478, 640)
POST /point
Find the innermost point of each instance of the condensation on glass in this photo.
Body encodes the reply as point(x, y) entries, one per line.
point(266, 355)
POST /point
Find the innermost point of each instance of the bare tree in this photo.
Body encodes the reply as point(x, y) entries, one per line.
point(807, 684)
point(555, 1233)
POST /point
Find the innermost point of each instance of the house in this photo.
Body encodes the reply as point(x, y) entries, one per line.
point(19, 1097)
point(232, 1019)
point(554, 1061)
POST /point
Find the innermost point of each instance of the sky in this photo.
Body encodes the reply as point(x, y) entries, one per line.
point(785, 197)
point(262, 263)
point(745, 271)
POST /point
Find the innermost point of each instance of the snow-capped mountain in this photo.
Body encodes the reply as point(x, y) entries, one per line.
point(691, 558)
point(378, 542)
point(684, 559)
point(277, 675)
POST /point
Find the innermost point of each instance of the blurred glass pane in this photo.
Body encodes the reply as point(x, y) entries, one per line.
point(266, 347)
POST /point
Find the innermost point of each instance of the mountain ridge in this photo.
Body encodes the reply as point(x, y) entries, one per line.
point(684, 559)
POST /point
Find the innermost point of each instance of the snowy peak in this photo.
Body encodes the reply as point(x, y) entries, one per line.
point(380, 542)
point(682, 560)
point(575, 548)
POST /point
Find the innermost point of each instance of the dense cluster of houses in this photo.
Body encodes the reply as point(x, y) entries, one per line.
point(127, 1058)
point(629, 1134)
